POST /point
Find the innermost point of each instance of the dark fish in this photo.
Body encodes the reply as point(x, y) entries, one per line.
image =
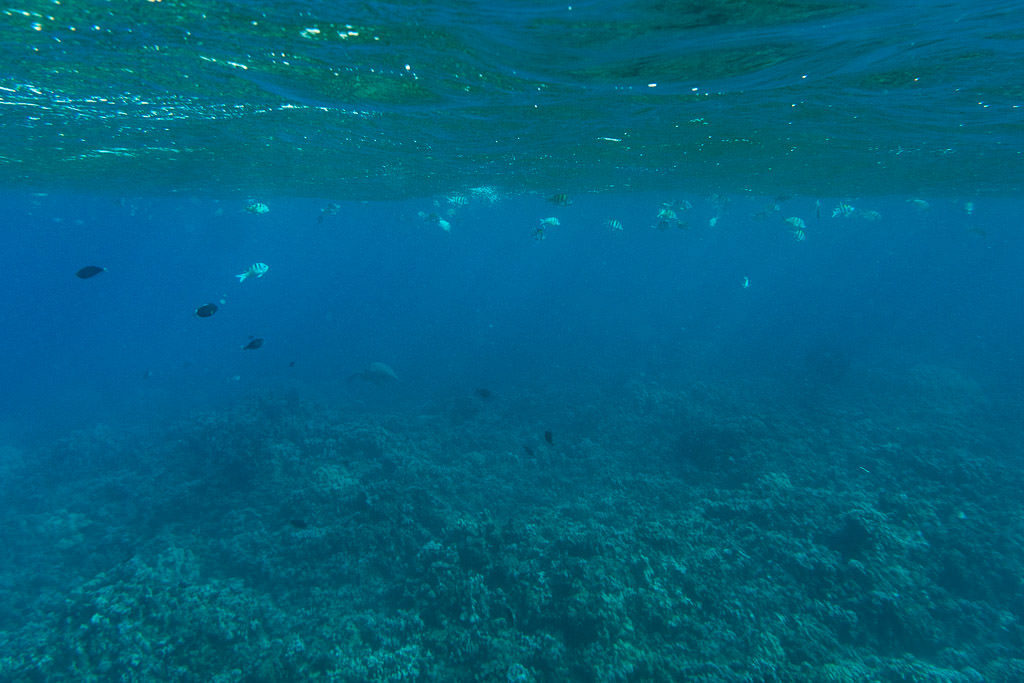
point(206, 310)
point(89, 271)
point(254, 343)
point(483, 393)
point(529, 451)
point(298, 523)
point(547, 437)
point(560, 198)
point(291, 364)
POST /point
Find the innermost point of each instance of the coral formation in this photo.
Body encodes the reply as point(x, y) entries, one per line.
point(666, 534)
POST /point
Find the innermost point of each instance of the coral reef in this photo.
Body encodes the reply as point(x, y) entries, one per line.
point(691, 533)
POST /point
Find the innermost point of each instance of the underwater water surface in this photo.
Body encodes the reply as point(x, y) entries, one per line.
point(511, 342)
point(399, 99)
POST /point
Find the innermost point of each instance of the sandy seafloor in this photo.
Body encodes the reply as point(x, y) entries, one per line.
point(868, 529)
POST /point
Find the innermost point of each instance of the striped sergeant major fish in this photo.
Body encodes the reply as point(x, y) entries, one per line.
point(255, 270)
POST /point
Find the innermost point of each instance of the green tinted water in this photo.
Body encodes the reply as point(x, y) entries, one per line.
point(400, 99)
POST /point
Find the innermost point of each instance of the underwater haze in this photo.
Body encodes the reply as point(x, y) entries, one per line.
point(511, 342)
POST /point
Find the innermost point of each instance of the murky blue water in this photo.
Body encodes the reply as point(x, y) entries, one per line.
point(487, 301)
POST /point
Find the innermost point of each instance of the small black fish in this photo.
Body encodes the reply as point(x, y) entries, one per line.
point(254, 343)
point(298, 523)
point(89, 271)
point(549, 438)
point(529, 451)
point(483, 393)
point(206, 310)
point(560, 199)
point(291, 364)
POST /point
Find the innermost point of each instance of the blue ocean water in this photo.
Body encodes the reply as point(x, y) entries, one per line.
point(487, 302)
point(600, 342)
